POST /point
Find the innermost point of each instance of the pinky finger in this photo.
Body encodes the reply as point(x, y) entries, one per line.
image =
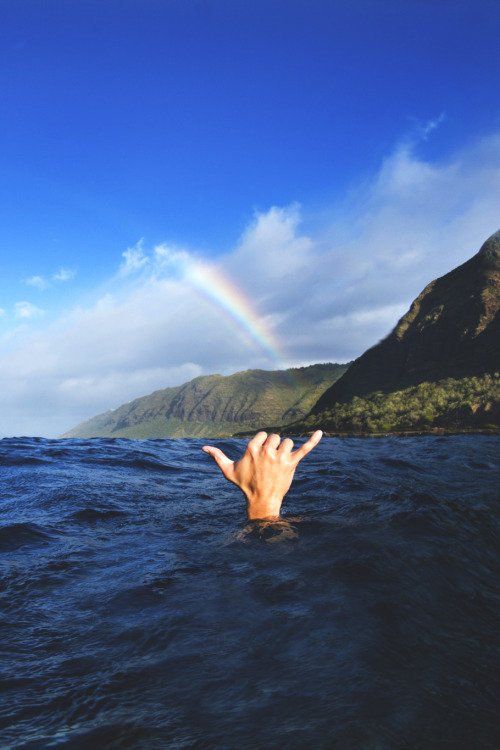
point(313, 441)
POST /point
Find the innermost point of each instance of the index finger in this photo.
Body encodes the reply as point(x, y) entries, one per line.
point(257, 441)
point(313, 441)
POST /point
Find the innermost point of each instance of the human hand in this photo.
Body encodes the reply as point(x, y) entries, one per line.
point(265, 471)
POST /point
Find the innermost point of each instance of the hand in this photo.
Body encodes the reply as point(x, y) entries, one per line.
point(265, 471)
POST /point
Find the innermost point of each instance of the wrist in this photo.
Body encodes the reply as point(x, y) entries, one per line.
point(263, 507)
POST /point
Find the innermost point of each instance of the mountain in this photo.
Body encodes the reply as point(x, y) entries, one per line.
point(438, 367)
point(216, 405)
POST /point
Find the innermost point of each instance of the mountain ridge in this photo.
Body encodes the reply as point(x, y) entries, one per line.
point(216, 405)
point(442, 357)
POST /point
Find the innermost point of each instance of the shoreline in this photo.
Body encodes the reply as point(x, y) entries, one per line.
point(393, 433)
point(439, 431)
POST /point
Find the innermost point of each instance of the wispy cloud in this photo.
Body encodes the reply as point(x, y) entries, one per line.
point(328, 292)
point(427, 128)
point(27, 311)
point(64, 274)
point(39, 282)
point(134, 258)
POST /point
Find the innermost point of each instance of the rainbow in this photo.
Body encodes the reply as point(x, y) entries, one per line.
point(223, 291)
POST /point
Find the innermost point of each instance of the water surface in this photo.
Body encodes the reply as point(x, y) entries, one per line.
point(139, 610)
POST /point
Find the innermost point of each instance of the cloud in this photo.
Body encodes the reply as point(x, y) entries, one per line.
point(324, 290)
point(64, 274)
point(134, 258)
point(2, 312)
point(39, 282)
point(425, 129)
point(170, 257)
point(26, 310)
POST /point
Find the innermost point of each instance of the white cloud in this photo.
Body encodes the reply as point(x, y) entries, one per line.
point(104, 388)
point(2, 312)
point(26, 310)
point(327, 293)
point(39, 282)
point(64, 274)
point(170, 257)
point(134, 258)
point(424, 130)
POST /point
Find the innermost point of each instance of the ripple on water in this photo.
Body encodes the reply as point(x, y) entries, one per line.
point(139, 610)
point(16, 535)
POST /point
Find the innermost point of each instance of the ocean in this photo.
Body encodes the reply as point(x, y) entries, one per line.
point(140, 610)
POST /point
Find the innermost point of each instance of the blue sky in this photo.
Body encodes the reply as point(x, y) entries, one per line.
point(184, 122)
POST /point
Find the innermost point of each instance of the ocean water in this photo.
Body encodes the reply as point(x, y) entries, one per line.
point(140, 610)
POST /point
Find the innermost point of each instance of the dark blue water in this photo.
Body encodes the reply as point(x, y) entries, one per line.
point(139, 610)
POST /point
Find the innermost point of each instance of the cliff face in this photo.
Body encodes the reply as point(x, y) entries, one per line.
point(216, 405)
point(452, 330)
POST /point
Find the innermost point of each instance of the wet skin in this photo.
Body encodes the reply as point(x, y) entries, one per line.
point(265, 471)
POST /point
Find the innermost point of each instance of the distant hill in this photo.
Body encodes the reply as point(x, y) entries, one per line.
point(217, 405)
point(438, 367)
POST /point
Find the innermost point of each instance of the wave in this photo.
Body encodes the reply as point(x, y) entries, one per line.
point(11, 460)
point(16, 535)
point(139, 610)
point(93, 515)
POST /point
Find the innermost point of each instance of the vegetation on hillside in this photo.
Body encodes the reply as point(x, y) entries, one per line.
point(451, 403)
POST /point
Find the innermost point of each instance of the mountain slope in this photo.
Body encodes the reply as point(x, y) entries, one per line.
point(449, 337)
point(452, 329)
point(216, 405)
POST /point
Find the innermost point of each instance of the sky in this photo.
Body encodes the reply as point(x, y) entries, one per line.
point(198, 186)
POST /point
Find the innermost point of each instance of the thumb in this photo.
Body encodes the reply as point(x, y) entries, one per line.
point(223, 462)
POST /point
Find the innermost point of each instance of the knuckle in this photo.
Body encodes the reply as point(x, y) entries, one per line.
point(257, 440)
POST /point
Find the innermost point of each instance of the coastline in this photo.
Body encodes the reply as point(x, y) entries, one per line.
point(412, 433)
point(439, 431)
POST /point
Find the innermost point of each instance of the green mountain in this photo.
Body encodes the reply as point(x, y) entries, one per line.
point(438, 367)
point(217, 405)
